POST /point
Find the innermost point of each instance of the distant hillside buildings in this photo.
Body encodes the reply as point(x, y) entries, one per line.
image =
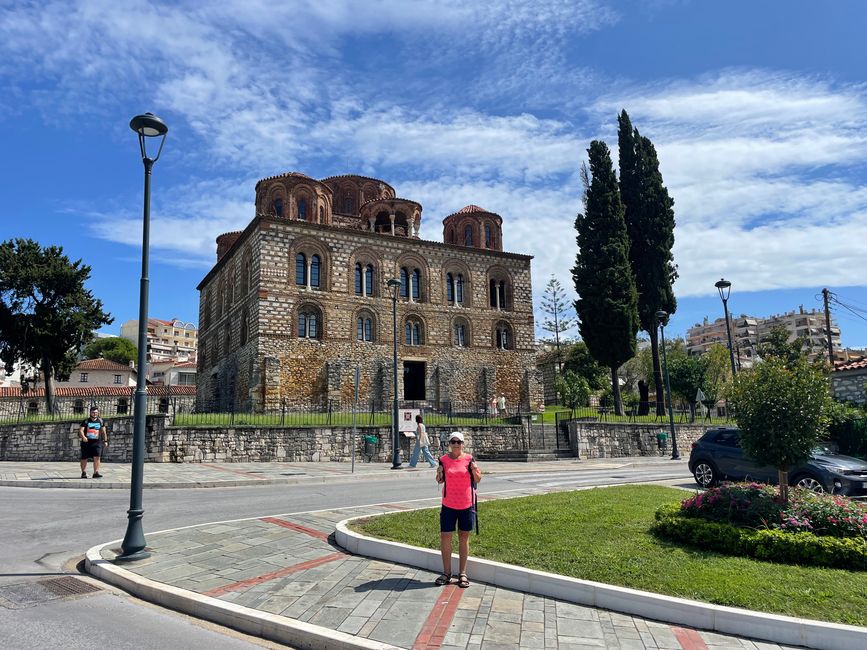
point(749, 331)
point(167, 340)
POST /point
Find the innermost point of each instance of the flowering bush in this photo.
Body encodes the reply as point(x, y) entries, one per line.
point(755, 505)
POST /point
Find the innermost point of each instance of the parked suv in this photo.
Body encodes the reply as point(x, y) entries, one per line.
point(718, 455)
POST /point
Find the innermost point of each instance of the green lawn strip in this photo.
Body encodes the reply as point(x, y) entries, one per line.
point(602, 535)
point(362, 419)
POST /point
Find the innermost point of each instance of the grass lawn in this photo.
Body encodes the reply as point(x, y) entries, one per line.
point(313, 419)
point(602, 535)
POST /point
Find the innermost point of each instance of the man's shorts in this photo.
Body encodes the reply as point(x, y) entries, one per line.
point(91, 448)
point(465, 519)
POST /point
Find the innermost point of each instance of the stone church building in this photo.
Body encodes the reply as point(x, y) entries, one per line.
point(300, 298)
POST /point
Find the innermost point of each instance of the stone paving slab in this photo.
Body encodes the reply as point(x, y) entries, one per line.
point(284, 565)
point(199, 475)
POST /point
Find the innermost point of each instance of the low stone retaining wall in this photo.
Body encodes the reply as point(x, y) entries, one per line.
point(58, 441)
point(614, 440)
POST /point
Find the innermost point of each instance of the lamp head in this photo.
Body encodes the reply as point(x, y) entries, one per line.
point(724, 287)
point(394, 285)
point(148, 125)
point(661, 317)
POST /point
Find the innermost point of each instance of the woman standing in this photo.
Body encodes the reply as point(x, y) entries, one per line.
point(422, 444)
point(457, 473)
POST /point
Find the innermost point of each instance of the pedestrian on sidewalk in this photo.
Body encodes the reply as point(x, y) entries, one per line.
point(94, 434)
point(422, 444)
point(458, 474)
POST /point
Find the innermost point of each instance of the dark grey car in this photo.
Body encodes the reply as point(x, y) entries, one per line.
point(718, 455)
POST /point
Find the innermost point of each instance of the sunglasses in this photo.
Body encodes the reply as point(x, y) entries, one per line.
point(455, 442)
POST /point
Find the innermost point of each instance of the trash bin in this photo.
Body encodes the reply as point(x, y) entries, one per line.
point(662, 441)
point(371, 443)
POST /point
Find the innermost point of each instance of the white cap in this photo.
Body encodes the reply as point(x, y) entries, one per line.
point(456, 435)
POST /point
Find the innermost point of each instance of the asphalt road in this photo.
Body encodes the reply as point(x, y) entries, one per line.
point(45, 532)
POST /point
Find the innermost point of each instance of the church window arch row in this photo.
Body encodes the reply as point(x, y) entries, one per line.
point(365, 326)
point(461, 332)
point(503, 336)
point(310, 265)
point(365, 273)
point(414, 276)
point(457, 284)
point(500, 289)
point(414, 333)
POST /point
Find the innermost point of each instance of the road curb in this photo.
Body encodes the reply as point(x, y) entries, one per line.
point(785, 630)
point(273, 627)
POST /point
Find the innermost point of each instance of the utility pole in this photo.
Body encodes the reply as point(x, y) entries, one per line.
point(826, 296)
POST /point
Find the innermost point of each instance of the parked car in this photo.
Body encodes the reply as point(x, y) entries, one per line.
point(717, 455)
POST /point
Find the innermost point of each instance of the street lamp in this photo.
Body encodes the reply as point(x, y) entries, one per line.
point(725, 288)
point(133, 546)
point(394, 285)
point(661, 317)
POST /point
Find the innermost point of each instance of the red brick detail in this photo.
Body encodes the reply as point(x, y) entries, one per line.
point(438, 621)
point(252, 582)
point(689, 639)
point(296, 527)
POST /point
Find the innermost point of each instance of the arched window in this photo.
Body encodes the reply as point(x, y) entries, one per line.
point(460, 333)
point(368, 279)
point(301, 270)
point(459, 289)
point(416, 284)
point(450, 288)
point(315, 265)
point(245, 327)
point(302, 209)
point(404, 283)
point(309, 326)
point(364, 327)
point(498, 293)
point(413, 334)
point(321, 214)
point(488, 239)
point(246, 276)
point(278, 207)
point(348, 205)
point(503, 338)
point(358, 280)
point(468, 236)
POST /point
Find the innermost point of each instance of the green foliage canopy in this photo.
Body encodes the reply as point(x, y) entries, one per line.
point(114, 349)
point(46, 314)
point(579, 361)
point(572, 388)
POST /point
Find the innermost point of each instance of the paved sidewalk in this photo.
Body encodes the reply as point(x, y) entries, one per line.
point(287, 565)
point(192, 475)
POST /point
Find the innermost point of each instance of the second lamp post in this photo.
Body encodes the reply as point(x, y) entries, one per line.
point(661, 317)
point(725, 288)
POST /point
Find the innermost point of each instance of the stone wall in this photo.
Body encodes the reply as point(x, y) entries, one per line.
point(59, 441)
point(850, 385)
point(610, 440)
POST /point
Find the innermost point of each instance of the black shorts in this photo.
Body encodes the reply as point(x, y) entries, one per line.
point(465, 519)
point(91, 448)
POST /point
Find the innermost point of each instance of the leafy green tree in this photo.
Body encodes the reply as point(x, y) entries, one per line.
point(573, 389)
point(46, 314)
point(649, 218)
point(579, 361)
point(114, 349)
point(782, 410)
point(557, 307)
point(776, 345)
point(607, 306)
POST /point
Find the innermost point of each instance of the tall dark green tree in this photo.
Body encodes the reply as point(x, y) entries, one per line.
point(46, 314)
point(650, 224)
point(607, 306)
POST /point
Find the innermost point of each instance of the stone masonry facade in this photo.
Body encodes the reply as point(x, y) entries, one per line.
point(300, 298)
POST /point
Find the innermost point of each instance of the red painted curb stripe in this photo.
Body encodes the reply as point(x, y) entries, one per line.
point(689, 639)
point(438, 621)
point(235, 471)
point(250, 582)
point(298, 528)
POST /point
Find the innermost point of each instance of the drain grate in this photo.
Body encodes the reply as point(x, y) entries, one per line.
point(27, 594)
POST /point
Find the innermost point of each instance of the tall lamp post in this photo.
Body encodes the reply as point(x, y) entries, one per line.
point(661, 317)
point(133, 546)
point(394, 285)
point(725, 288)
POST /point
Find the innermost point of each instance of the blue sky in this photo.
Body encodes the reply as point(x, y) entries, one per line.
point(758, 111)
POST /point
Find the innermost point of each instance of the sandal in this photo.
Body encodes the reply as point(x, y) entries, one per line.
point(443, 580)
point(463, 582)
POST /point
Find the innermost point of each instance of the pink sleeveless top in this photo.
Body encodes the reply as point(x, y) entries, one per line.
point(458, 490)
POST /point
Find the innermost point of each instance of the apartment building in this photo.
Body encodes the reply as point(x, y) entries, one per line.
point(167, 340)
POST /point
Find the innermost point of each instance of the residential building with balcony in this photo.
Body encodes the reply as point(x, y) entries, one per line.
point(167, 340)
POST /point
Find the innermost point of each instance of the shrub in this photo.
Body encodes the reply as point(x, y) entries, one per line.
point(755, 505)
point(772, 545)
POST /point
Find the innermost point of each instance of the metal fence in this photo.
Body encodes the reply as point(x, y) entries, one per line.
point(33, 408)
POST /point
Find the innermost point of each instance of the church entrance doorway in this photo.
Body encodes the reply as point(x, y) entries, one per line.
point(413, 380)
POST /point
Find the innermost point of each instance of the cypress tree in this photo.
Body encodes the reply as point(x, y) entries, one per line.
point(650, 224)
point(607, 306)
